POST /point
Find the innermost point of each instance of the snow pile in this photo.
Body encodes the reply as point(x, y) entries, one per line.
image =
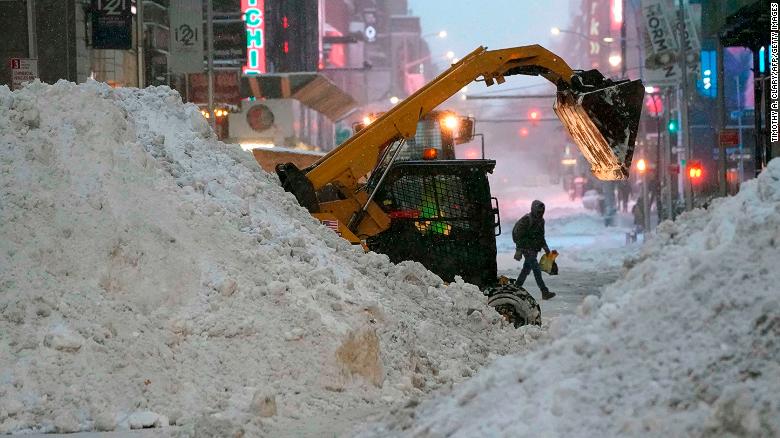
point(150, 275)
point(686, 344)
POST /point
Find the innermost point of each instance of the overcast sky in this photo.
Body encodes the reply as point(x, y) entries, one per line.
point(499, 24)
point(494, 23)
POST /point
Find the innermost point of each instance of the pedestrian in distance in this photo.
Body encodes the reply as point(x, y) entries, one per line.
point(528, 235)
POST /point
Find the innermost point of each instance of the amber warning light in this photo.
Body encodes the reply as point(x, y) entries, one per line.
point(430, 154)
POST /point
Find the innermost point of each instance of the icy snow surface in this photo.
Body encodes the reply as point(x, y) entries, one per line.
point(151, 275)
point(686, 344)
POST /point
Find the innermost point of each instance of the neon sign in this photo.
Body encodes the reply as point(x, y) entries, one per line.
point(254, 20)
point(617, 14)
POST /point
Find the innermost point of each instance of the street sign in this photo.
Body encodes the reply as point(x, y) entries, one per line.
point(747, 113)
point(22, 70)
point(186, 30)
point(660, 45)
point(658, 29)
point(728, 137)
point(112, 24)
point(662, 42)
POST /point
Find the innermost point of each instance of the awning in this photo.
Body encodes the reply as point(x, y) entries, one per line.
point(312, 89)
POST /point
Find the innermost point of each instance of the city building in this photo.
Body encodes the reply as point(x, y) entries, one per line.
point(737, 47)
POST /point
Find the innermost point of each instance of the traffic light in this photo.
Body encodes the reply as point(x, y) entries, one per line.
point(673, 126)
point(695, 170)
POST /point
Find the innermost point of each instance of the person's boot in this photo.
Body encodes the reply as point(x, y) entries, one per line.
point(546, 294)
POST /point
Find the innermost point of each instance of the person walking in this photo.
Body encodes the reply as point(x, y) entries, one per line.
point(528, 235)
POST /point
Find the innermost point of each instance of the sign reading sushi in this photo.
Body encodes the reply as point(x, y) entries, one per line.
point(254, 21)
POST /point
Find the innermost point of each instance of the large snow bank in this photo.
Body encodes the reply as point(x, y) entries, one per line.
point(150, 274)
point(686, 344)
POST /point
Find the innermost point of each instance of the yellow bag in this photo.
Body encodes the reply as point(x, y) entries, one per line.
point(547, 261)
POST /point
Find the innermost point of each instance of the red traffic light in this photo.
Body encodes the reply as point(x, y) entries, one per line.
point(534, 114)
point(695, 170)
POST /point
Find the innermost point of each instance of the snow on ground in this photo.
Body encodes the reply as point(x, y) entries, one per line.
point(151, 275)
point(687, 343)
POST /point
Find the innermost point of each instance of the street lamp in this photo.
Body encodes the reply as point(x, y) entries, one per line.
point(558, 31)
point(450, 54)
point(615, 60)
point(440, 34)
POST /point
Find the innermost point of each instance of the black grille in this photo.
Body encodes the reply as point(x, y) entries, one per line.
point(441, 216)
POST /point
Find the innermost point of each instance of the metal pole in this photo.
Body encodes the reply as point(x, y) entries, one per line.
point(32, 47)
point(685, 138)
point(660, 166)
point(139, 47)
point(210, 32)
point(645, 206)
point(721, 117)
point(512, 96)
point(667, 156)
point(623, 41)
point(187, 87)
point(392, 60)
point(759, 135)
point(741, 165)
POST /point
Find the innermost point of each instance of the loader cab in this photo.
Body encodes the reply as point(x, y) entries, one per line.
point(437, 136)
point(441, 211)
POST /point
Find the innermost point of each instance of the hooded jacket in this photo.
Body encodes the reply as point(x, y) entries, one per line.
point(528, 232)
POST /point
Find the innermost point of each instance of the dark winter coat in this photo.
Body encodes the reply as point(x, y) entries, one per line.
point(528, 232)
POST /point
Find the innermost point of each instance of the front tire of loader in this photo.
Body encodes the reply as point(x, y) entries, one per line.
point(516, 305)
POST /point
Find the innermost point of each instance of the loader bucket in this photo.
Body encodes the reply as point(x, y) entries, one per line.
point(603, 119)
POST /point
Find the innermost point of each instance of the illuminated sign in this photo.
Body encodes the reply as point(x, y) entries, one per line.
point(254, 19)
point(112, 24)
point(617, 14)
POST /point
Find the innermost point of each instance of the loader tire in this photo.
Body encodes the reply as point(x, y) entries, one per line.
point(516, 305)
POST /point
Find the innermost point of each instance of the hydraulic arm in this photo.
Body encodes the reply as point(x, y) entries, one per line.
point(601, 116)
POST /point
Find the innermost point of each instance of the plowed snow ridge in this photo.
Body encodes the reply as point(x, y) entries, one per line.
point(150, 274)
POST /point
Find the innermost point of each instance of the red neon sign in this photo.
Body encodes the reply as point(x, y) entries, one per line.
point(617, 14)
point(254, 20)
